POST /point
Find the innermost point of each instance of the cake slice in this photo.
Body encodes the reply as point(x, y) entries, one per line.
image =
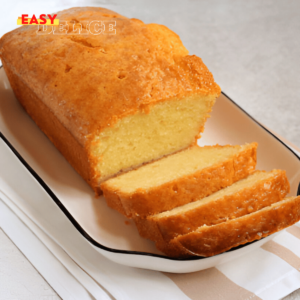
point(215, 239)
point(258, 190)
point(179, 179)
point(110, 101)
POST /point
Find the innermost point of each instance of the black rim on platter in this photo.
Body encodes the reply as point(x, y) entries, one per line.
point(87, 236)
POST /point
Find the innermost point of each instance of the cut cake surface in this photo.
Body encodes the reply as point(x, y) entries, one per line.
point(253, 193)
point(215, 239)
point(179, 179)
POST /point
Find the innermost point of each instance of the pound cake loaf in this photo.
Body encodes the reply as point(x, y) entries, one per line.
point(215, 239)
point(111, 101)
point(178, 179)
point(257, 191)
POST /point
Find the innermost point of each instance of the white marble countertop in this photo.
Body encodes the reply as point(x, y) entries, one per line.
point(253, 50)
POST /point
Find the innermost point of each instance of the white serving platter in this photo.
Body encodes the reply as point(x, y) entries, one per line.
point(35, 175)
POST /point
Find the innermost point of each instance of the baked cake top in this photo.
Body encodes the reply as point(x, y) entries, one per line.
point(90, 81)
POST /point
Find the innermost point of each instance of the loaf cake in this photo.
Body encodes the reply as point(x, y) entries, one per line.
point(109, 102)
point(215, 239)
point(258, 190)
point(179, 179)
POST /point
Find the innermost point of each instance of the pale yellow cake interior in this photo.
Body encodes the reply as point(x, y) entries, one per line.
point(249, 216)
point(234, 188)
point(170, 126)
point(178, 165)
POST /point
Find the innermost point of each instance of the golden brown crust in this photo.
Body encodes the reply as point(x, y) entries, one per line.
point(50, 125)
point(90, 82)
point(183, 190)
point(213, 240)
point(248, 200)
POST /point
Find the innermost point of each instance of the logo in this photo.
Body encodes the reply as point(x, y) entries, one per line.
point(94, 27)
point(51, 25)
point(24, 20)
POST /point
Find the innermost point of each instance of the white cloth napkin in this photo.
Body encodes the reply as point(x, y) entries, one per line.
point(59, 270)
point(269, 273)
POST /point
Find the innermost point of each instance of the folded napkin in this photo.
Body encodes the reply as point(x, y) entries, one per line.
point(59, 270)
point(77, 271)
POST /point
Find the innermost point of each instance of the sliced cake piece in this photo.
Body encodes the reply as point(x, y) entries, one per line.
point(215, 239)
point(258, 190)
point(179, 179)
